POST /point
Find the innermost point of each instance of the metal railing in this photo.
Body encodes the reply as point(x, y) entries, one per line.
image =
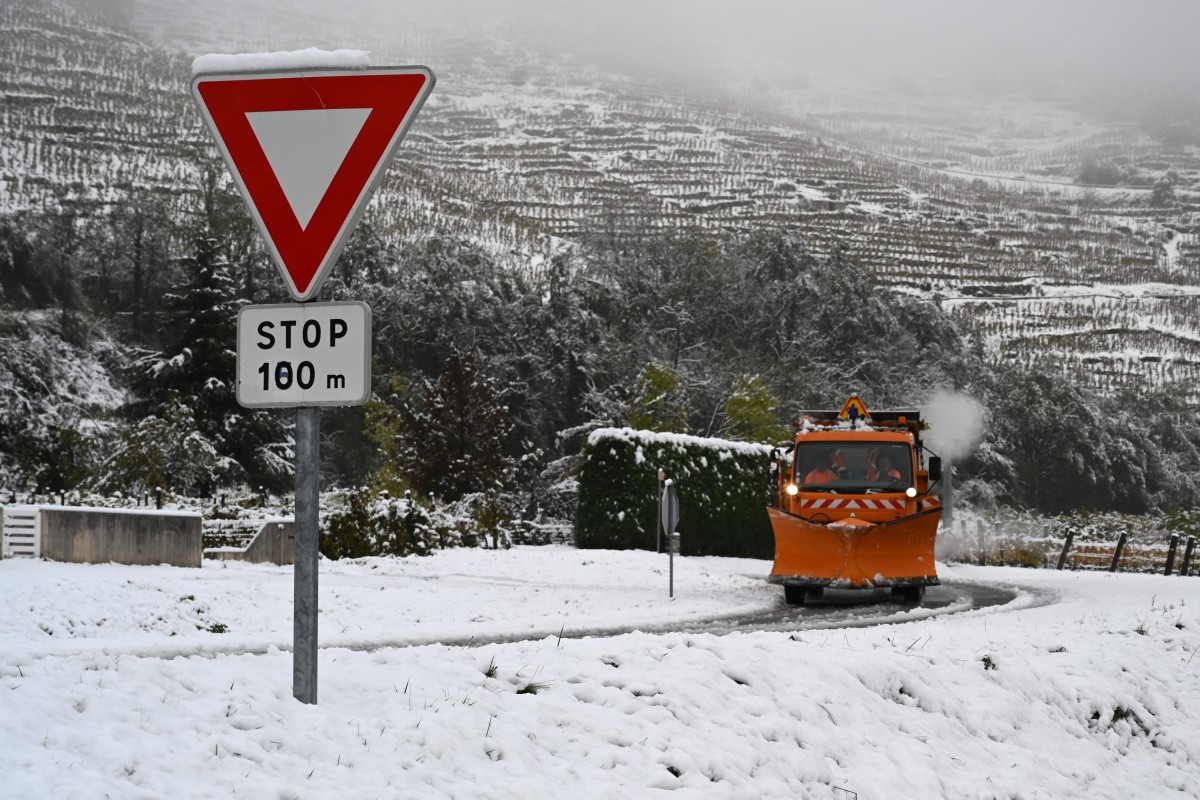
point(22, 532)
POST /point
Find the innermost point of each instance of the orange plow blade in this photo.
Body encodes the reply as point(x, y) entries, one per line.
point(851, 553)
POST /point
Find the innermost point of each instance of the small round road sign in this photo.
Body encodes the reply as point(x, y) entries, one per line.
point(669, 508)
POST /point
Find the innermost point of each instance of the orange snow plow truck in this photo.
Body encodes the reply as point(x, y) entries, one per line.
point(854, 507)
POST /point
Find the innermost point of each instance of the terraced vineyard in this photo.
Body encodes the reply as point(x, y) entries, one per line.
point(529, 152)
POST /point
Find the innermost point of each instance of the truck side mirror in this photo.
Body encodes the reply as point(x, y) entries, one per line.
point(935, 468)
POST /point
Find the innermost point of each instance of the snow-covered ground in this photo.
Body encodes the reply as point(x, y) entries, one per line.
point(150, 682)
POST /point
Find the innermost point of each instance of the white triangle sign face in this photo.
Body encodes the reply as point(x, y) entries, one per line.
point(306, 149)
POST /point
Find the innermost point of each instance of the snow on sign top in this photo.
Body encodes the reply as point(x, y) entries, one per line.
point(311, 58)
point(307, 147)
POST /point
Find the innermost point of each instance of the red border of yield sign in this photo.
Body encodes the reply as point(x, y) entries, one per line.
point(394, 95)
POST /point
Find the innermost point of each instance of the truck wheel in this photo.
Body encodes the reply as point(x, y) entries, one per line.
point(802, 595)
point(910, 594)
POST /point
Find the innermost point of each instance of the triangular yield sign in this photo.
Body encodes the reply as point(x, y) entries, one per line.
point(306, 149)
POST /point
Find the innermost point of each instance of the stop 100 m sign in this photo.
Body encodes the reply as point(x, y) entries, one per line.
point(311, 354)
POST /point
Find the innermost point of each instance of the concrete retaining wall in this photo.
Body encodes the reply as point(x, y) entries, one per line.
point(273, 544)
point(99, 536)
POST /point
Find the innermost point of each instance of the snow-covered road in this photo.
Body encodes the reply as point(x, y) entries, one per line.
point(1094, 695)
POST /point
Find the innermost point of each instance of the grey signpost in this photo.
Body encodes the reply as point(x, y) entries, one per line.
point(948, 496)
point(662, 476)
point(306, 148)
point(305, 572)
point(669, 516)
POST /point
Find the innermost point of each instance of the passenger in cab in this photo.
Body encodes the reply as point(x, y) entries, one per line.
point(881, 469)
point(825, 470)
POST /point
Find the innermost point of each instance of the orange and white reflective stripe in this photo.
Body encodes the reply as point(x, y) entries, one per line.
point(868, 503)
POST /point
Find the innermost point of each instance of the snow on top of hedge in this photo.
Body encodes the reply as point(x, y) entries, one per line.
point(678, 439)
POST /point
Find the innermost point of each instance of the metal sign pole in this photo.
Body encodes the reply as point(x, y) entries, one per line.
point(662, 476)
point(304, 614)
point(948, 496)
point(671, 579)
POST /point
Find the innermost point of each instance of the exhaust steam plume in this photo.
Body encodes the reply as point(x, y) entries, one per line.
point(955, 424)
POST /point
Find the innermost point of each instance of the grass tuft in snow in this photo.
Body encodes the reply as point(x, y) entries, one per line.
point(533, 687)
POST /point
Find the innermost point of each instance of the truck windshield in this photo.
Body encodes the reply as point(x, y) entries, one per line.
point(852, 466)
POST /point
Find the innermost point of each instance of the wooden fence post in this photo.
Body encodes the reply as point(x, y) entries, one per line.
point(1117, 553)
point(1171, 553)
point(1185, 570)
point(1062, 558)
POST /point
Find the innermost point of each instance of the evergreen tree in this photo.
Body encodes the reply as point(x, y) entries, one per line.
point(51, 404)
point(160, 453)
point(453, 431)
point(552, 366)
point(660, 402)
point(136, 243)
point(58, 258)
point(752, 412)
point(196, 369)
point(239, 244)
point(382, 426)
point(22, 283)
point(1173, 432)
point(1055, 436)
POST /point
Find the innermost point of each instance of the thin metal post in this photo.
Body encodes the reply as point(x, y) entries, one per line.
point(1117, 553)
point(1062, 558)
point(304, 613)
point(948, 497)
point(662, 476)
point(671, 579)
point(1171, 553)
point(1186, 569)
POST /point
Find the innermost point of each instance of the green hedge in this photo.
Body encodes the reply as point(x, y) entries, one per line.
point(722, 489)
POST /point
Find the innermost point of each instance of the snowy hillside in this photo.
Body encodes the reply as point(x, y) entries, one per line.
point(524, 150)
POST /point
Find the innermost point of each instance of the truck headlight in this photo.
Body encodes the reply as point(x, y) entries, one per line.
point(792, 489)
point(911, 491)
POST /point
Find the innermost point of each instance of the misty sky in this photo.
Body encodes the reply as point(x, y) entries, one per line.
point(1056, 48)
point(1148, 44)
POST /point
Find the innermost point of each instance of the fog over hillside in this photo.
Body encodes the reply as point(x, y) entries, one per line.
point(1023, 46)
point(1101, 51)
